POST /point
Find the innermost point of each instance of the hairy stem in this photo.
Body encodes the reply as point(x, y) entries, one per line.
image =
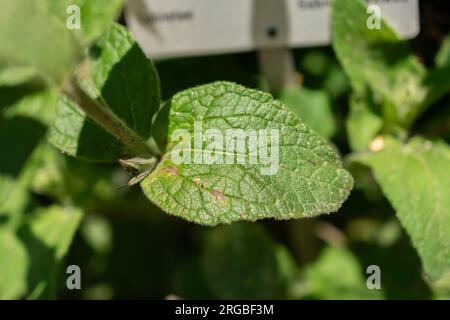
point(102, 115)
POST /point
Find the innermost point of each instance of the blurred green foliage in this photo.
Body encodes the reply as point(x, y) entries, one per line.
point(127, 248)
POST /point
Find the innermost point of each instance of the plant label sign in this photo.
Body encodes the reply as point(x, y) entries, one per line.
point(166, 28)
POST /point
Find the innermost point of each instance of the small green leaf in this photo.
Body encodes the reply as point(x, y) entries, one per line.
point(95, 16)
point(31, 254)
point(443, 56)
point(362, 123)
point(416, 179)
point(125, 81)
point(239, 262)
point(25, 120)
point(379, 59)
point(31, 38)
point(14, 198)
point(15, 76)
point(47, 236)
point(287, 267)
point(38, 106)
point(77, 135)
point(336, 82)
point(337, 274)
point(307, 181)
point(438, 79)
point(313, 107)
point(315, 62)
point(442, 288)
point(13, 265)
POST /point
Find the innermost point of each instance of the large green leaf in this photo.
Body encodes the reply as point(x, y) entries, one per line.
point(31, 255)
point(379, 59)
point(313, 107)
point(239, 262)
point(31, 38)
point(416, 179)
point(308, 181)
point(126, 82)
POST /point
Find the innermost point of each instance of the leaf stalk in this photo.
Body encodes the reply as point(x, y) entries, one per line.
point(136, 145)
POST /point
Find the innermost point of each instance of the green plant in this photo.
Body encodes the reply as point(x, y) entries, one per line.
point(98, 99)
point(414, 175)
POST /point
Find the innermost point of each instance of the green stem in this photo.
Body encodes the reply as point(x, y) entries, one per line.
point(108, 120)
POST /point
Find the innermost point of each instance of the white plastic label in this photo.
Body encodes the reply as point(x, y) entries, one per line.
point(167, 28)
